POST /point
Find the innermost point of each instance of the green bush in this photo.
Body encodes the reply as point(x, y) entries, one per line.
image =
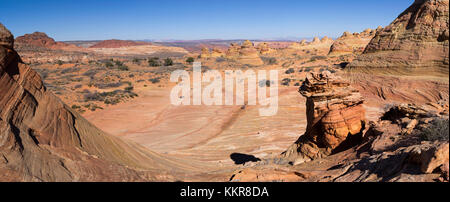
point(438, 130)
point(168, 62)
point(190, 60)
point(153, 62)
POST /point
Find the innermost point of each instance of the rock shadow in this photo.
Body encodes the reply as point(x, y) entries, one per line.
point(239, 158)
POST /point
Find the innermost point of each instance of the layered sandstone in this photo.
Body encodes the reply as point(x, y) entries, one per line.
point(335, 117)
point(351, 43)
point(246, 53)
point(321, 45)
point(417, 40)
point(264, 48)
point(215, 53)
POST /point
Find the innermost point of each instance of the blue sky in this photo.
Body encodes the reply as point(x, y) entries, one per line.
point(196, 19)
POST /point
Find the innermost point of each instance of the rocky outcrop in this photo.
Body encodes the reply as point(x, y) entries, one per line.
point(335, 117)
point(351, 43)
point(42, 139)
point(264, 48)
point(244, 54)
point(384, 154)
point(40, 39)
point(114, 43)
point(215, 53)
point(316, 43)
point(417, 40)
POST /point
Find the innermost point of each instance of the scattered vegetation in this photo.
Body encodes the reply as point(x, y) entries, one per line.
point(290, 71)
point(154, 62)
point(168, 62)
point(438, 130)
point(190, 60)
point(269, 60)
point(285, 81)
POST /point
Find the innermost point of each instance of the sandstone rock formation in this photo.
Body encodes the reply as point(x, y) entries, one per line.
point(215, 53)
point(384, 154)
point(418, 40)
point(42, 139)
point(335, 117)
point(244, 54)
point(321, 45)
point(41, 39)
point(264, 48)
point(351, 43)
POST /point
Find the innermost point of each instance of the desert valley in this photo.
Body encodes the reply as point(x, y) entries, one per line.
point(366, 106)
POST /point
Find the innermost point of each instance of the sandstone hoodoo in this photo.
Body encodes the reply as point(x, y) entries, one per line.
point(351, 43)
point(417, 40)
point(335, 117)
point(245, 54)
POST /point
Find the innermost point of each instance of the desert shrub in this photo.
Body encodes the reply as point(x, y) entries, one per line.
point(438, 130)
point(70, 70)
point(77, 86)
point(129, 88)
point(285, 81)
point(168, 62)
point(190, 60)
point(269, 60)
point(123, 68)
point(319, 57)
point(136, 61)
point(155, 80)
point(290, 71)
point(108, 85)
point(153, 62)
point(297, 84)
point(90, 72)
point(59, 62)
point(109, 64)
point(75, 107)
point(118, 63)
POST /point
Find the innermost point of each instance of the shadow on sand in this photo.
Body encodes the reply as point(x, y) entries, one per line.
point(239, 158)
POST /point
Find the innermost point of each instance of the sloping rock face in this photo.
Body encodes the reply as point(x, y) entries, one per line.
point(335, 117)
point(351, 43)
point(114, 43)
point(418, 40)
point(42, 139)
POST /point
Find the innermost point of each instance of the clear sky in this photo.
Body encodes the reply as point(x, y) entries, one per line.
point(196, 19)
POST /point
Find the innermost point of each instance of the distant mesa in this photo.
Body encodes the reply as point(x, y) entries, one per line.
point(40, 39)
point(114, 43)
point(418, 40)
